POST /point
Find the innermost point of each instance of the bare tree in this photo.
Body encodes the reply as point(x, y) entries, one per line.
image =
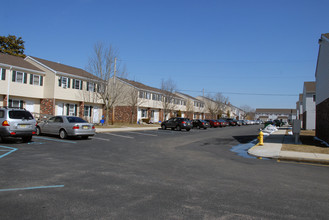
point(248, 112)
point(168, 88)
point(103, 65)
point(189, 108)
point(221, 102)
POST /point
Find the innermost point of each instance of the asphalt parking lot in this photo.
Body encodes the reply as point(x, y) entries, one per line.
point(161, 174)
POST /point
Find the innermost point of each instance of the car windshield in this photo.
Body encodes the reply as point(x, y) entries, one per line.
point(75, 120)
point(20, 115)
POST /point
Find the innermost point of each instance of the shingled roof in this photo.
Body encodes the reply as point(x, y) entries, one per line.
point(17, 62)
point(309, 86)
point(276, 111)
point(62, 68)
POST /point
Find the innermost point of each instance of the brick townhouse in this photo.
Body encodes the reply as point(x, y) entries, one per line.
point(322, 89)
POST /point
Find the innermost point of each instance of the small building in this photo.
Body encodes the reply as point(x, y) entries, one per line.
point(267, 114)
point(309, 106)
point(322, 89)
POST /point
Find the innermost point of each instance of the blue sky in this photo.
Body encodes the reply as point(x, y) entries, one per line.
point(240, 48)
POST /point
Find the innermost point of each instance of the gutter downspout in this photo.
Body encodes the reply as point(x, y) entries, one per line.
point(8, 88)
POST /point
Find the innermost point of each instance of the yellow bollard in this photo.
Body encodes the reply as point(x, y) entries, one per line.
point(261, 138)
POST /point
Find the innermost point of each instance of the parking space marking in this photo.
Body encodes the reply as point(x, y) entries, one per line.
point(103, 139)
point(29, 188)
point(11, 150)
point(120, 135)
point(133, 132)
point(56, 140)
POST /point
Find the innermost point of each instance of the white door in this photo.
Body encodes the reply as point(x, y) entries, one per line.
point(60, 108)
point(29, 106)
point(139, 114)
point(95, 115)
point(156, 116)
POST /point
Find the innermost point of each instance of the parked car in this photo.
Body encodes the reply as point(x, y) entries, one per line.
point(17, 123)
point(65, 126)
point(222, 123)
point(213, 123)
point(231, 121)
point(177, 123)
point(197, 123)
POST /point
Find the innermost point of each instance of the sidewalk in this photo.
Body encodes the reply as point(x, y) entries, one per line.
point(104, 130)
point(272, 149)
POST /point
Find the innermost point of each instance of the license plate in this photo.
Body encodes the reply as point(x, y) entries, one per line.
point(85, 127)
point(23, 126)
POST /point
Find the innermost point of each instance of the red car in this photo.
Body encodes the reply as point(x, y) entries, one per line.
point(213, 123)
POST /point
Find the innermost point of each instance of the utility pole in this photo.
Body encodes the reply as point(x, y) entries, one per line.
point(203, 92)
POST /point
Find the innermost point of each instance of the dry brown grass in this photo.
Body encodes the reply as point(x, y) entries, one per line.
point(309, 144)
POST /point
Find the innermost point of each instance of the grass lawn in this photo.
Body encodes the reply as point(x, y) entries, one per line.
point(309, 144)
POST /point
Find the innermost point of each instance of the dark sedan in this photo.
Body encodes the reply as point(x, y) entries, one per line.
point(197, 123)
point(177, 124)
point(213, 123)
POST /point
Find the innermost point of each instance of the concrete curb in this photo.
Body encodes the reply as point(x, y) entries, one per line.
point(306, 160)
point(106, 130)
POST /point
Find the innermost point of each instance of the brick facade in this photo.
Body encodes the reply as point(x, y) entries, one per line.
point(124, 114)
point(81, 109)
point(5, 100)
point(47, 107)
point(322, 120)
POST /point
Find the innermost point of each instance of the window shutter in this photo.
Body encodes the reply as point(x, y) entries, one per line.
point(75, 109)
point(3, 74)
point(73, 84)
point(14, 76)
point(68, 82)
point(94, 87)
point(67, 109)
point(21, 102)
point(81, 85)
point(60, 81)
point(41, 80)
point(87, 86)
point(91, 108)
point(31, 79)
point(25, 77)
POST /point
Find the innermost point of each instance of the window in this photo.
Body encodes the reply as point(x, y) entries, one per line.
point(87, 111)
point(15, 103)
point(77, 84)
point(71, 109)
point(144, 113)
point(3, 74)
point(64, 82)
point(36, 80)
point(2, 113)
point(19, 77)
point(91, 86)
point(314, 99)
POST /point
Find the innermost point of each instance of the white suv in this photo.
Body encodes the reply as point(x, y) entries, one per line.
point(17, 123)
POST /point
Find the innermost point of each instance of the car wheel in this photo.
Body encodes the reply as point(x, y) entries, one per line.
point(178, 128)
point(205, 128)
point(198, 127)
point(84, 137)
point(62, 134)
point(27, 139)
point(163, 127)
point(38, 132)
point(188, 129)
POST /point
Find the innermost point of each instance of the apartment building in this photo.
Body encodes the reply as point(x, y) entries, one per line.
point(195, 108)
point(322, 91)
point(285, 115)
point(309, 105)
point(48, 88)
point(139, 102)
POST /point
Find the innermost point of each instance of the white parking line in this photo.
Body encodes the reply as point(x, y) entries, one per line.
point(133, 132)
point(120, 135)
point(103, 139)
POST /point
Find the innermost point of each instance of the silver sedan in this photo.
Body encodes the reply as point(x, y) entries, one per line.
point(65, 126)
